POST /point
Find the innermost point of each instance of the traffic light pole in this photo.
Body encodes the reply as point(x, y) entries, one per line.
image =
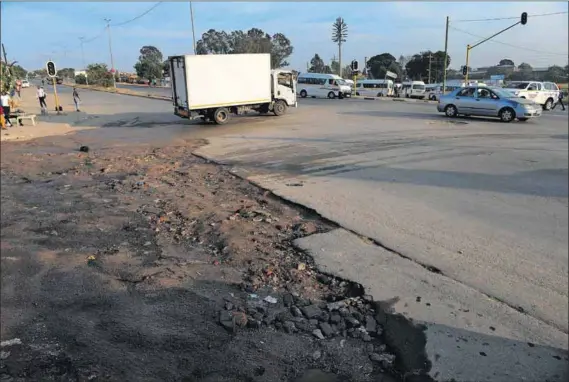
point(55, 97)
point(523, 21)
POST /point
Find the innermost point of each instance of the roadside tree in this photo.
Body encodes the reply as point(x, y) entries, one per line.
point(417, 68)
point(252, 41)
point(66, 73)
point(317, 65)
point(99, 75)
point(556, 74)
point(379, 65)
point(150, 63)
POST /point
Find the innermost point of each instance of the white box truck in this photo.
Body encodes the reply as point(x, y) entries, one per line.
point(213, 87)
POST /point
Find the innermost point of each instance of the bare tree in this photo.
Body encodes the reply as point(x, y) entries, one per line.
point(339, 36)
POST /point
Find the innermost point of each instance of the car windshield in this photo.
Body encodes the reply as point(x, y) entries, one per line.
point(418, 87)
point(341, 82)
point(518, 85)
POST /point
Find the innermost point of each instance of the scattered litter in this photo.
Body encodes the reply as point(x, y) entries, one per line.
point(91, 260)
point(295, 184)
point(253, 295)
point(12, 342)
point(301, 267)
point(270, 300)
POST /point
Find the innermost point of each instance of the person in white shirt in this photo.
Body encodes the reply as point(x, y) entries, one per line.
point(40, 93)
point(5, 100)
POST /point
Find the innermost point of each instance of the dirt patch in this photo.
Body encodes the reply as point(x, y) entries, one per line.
point(149, 263)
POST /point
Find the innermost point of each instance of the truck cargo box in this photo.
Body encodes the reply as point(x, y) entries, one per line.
point(212, 81)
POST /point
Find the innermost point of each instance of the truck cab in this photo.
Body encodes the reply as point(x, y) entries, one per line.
point(283, 87)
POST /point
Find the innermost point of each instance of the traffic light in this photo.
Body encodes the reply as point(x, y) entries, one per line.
point(524, 18)
point(464, 70)
point(50, 66)
point(355, 65)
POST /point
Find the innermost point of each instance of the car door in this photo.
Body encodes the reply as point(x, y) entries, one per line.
point(485, 102)
point(464, 100)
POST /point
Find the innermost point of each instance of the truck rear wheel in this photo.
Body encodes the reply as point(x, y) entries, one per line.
point(221, 116)
point(279, 108)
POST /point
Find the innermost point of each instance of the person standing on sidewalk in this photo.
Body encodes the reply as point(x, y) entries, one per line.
point(76, 99)
point(560, 100)
point(5, 102)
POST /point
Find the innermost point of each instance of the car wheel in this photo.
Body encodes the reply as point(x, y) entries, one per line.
point(507, 114)
point(548, 104)
point(303, 93)
point(331, 95)
point(357, 94)
point(450, 111)
point(522, 119)
point(221, 116)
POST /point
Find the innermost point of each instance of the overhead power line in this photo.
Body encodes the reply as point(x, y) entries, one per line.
point(511, 45)
point(512, 18)
point(139, 16)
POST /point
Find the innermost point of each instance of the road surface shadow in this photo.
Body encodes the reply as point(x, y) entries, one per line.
point(434, 116)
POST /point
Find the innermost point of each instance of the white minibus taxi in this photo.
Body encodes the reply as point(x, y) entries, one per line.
point(322, 85)
point(414, 89)
point(374, 88)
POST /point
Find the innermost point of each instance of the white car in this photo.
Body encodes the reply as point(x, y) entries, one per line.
point(544, 93)
point(25, 83)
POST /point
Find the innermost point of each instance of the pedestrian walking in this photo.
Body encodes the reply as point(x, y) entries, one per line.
point(19, 88)
point(76, 99)
point(5, 102)
point(560, 100)
point(2, 119)
point(40, 93)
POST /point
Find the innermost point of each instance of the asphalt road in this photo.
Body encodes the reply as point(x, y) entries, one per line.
point(480, 207)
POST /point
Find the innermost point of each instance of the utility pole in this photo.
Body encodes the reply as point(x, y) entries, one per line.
point(83, 58)
point(430, 61)
point(446, 58)
point(523, 21)
point(111, 52)
point(193, 30)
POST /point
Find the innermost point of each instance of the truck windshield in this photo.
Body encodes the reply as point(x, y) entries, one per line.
point(285, 79)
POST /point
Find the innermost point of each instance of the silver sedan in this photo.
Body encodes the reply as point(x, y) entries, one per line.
point(487, 102)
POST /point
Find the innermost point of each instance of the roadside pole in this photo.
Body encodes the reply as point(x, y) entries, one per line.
point(83, 57)
point(523, 21)
point(446, 58)
point(111, 52)
point(193, 30)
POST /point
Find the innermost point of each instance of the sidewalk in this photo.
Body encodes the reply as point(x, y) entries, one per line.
point(49, 125)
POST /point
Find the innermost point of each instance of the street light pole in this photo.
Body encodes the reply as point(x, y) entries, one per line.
point(111, 52)
point(193, 29)
point(83, 58)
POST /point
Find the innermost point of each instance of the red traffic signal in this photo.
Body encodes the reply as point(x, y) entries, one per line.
point(524, 19)
point(464, 70)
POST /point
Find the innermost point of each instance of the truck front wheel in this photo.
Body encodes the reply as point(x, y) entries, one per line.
point(279, 108)
point(221, 116)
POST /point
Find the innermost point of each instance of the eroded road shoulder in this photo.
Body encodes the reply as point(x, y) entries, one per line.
point(148, 263)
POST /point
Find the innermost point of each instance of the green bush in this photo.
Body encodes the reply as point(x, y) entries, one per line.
point(81, 79)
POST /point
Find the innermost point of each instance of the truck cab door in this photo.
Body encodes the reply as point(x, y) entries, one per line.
point(285, 88)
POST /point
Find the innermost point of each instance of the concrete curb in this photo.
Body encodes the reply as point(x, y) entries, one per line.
point(119, 91)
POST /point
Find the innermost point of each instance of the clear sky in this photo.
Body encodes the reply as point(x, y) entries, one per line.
point(32, 32)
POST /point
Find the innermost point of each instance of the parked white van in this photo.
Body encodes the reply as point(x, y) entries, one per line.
point(544, 93)
point(322, 85)
point(413, 89)
point(374, 88)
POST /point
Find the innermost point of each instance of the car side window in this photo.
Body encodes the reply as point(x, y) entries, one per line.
point(538, 86)
point(468, 92)
point(483, 93)
point(547, 86)
point(532, 86)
